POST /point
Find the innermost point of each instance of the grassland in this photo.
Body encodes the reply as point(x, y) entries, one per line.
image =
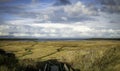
point(85, 55)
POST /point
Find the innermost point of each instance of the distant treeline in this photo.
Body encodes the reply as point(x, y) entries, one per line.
point(103, 39)
point(57, 39)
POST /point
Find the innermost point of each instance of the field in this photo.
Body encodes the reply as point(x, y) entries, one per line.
point(84, 55)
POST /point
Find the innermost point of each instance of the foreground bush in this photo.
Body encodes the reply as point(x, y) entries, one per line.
point(8, 62)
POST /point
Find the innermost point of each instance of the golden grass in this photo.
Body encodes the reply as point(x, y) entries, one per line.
point(79, 54)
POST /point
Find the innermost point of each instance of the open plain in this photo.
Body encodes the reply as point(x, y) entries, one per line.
point(85, 55)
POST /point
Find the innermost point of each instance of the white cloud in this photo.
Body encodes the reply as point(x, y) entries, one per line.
point(82, 28)
point(4, 33)
point(20, 34)
point(77, 9)
point(64, 18)
point(46, 17)
point(58, 30)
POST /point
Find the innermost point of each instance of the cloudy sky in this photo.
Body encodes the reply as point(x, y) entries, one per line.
point(60, 18)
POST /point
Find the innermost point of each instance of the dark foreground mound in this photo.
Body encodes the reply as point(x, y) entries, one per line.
point(8, 62)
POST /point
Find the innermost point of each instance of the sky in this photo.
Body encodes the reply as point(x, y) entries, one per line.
point(60, 18)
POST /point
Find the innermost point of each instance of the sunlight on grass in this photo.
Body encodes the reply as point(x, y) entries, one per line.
point(83, 55)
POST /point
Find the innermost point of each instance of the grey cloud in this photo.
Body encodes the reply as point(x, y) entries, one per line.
point(110, 2)
point(110, 5)
point(9, 13)
point(23, 20)
point(62, 2)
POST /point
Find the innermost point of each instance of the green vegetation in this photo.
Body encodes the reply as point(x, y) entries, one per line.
point(85, 55)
